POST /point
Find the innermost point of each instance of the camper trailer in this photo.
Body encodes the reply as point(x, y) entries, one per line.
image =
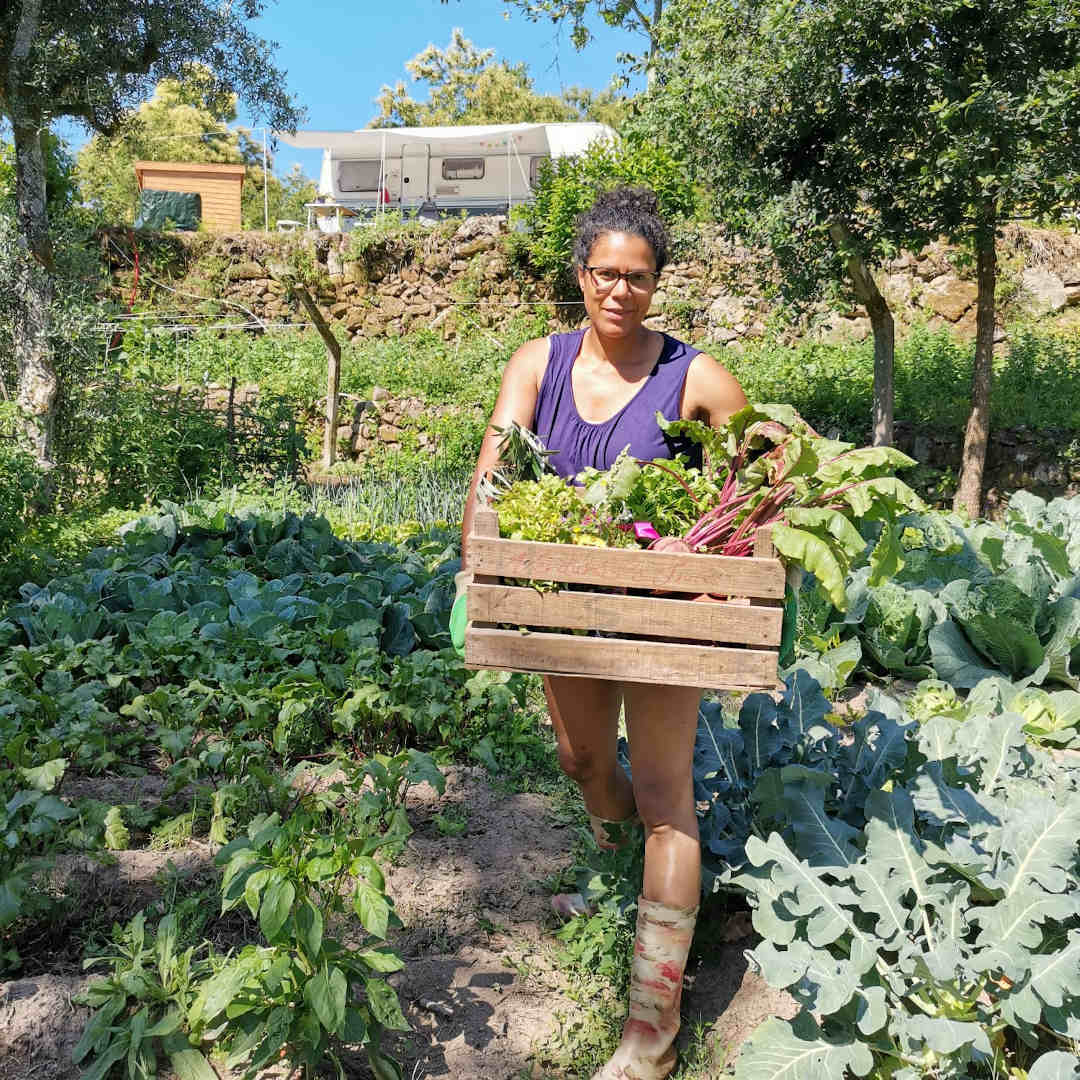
point(433, 172)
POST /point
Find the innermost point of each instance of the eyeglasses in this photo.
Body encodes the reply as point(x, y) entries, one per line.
point(605, 277)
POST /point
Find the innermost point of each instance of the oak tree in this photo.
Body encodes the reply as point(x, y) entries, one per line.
point(92, 61)
point(846, 130)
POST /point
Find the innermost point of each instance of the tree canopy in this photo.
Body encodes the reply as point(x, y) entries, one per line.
point(467, 85)
point(178, 123)
point(184, 120)
point(853, 128)
point(637, 16)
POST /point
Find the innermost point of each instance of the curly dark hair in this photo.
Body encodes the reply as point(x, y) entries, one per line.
point(623, 209)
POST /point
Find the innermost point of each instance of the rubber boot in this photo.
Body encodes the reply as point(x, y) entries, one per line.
point(570, 905)
point(647, 1049)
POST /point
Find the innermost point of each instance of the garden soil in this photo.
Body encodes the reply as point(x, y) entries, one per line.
point(481, 985)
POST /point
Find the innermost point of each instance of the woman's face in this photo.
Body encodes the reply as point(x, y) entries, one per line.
point(617, 309)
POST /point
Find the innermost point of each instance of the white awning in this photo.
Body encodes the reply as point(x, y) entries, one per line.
point(557, 140)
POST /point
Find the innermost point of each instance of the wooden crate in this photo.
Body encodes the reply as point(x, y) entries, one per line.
point(738, 640)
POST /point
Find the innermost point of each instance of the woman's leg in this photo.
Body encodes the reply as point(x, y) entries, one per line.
point(585, 716)
point(662, 722)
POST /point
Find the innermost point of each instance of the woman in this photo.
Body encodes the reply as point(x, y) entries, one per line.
point(589, 394)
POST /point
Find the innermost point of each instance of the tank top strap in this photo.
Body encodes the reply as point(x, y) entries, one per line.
point(555, 398)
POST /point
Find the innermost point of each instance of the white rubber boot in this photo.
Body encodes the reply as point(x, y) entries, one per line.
point(570, 905)
point(647, 1050)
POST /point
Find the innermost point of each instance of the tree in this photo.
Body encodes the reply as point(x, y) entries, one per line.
point(182, 121)
point(845, 130)
point(92, 60)
point(466, 85)
point(286, 197)
point(638, 16)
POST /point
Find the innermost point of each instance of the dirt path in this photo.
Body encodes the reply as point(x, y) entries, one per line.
point(481, 987)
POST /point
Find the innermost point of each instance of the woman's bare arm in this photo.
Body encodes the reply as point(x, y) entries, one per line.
point(516, 401)
point(711, 393)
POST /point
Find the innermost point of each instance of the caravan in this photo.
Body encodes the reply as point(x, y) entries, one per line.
point(433, 172)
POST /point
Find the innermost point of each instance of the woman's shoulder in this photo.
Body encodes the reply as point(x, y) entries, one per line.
point(529, 361)
point(711, 392)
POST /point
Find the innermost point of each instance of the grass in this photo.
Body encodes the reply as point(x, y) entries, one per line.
point(369, 503)
point(293, 362)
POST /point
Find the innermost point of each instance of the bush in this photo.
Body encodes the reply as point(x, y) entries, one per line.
point(18, 479)
point(567, 186)
point(128, 442)
point(1036, 383)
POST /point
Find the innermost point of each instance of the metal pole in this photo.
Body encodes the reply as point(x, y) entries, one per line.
point(382, 177)
point(508, 176)
point(266, 190)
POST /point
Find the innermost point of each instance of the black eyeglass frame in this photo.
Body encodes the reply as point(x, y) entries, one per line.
point(624, 275)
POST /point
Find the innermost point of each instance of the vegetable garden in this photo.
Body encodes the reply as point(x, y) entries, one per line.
point(273, 692)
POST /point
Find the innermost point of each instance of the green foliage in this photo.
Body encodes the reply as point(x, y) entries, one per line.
point(141, 1008)
point(764, 468)
point(300, 994)
point(138, 443)
point(286, 196)
point(933, 927)
point(973, 601)
point(465, 85)
point(1050, 719)
point(19, 479)
point(1036, 383)
point(305, 993)
point(782, 113)
point(622, 13)
point(185, 119)
point(60, 183)
point(568, 186)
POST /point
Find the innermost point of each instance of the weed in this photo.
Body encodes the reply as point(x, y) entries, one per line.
point(453, 821)
point(696, 1056)
point(176, 832)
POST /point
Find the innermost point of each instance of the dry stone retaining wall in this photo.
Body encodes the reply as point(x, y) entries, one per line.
point(453, 279)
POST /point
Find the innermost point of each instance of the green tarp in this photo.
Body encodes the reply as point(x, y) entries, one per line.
point(168, 209)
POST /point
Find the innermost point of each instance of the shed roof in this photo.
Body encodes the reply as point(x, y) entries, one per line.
point(190, 167)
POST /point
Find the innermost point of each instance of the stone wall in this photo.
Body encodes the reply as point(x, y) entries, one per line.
point(458, 277)
point(453, 278)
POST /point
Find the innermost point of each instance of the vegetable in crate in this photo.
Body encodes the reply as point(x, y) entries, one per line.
point(765, 467)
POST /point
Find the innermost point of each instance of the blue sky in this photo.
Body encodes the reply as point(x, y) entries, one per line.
point(338, 55)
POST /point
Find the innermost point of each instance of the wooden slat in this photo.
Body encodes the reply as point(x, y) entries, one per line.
point(486, 524)
point(646, 615)
point(628, 661)
point(627, 567)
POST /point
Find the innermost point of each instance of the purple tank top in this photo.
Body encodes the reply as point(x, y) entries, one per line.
point(578, 444)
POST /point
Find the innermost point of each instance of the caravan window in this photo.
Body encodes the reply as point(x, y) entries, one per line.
point(463, 168)
point(534, 168)
point(358, 175)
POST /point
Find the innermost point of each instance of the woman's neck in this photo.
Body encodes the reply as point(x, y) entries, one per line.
point(622, 352)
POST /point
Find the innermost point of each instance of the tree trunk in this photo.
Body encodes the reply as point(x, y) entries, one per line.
point(33, 285)
point(977, 435)
point(333, 374)
point(881, 322)
point(34, 292)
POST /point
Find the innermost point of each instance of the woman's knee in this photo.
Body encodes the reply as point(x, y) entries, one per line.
point(664, 801)
point(582, 766)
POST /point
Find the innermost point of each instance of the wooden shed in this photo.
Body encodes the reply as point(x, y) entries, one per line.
point(219, 187)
